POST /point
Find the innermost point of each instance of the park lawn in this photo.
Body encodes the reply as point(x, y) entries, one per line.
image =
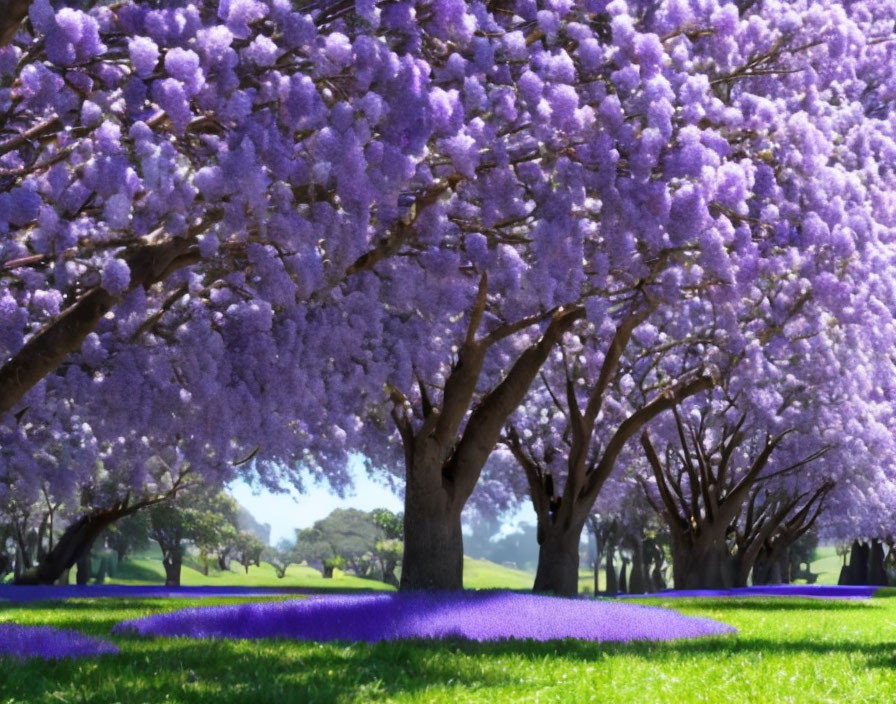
point(145, 570)
point(788, 650)
point(478, 574)
point(827, 564)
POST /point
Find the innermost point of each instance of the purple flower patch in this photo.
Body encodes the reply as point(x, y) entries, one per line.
point(479, 616)
point(819, 591)
point(49, 643)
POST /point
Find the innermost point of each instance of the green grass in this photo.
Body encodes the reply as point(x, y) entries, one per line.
point(788, 650)
point(827, 564)
point(147, 569)
point(482, 574)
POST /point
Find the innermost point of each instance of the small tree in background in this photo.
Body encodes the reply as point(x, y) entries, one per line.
point(248, 550)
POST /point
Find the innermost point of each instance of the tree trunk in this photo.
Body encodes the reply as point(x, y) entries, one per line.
point(558, 562)
point(327, 571)
point(433, 542)
point(72, 545)
point(389, 572)
point(703, 566)
point(858, 563)
point(172, 564)
point(612, 584)
point(877, 574)
point(222, 563)
point(623, 584)
point(638, 580)
point(82, 574)
point(845, 575)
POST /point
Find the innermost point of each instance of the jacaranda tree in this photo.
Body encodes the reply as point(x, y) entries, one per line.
point(262, 234)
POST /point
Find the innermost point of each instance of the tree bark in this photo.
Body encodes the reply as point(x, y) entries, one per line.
point(612, 584)
point(623, 584)
point(558, 562)
point(172, 564)
point(82, 574)
point(704, 565)
point(72, 545)
point(637, 583)
point(12, 12)
point(433, 541)
point(877, 574)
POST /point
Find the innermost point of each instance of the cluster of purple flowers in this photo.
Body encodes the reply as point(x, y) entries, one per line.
point(818, 591)
point(479, 616)
point(49, 643)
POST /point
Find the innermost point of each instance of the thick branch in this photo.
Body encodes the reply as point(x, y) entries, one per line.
point(49, 347)
point(629, 427)
point(12, 12)
point(484, 426)
point(676, 522)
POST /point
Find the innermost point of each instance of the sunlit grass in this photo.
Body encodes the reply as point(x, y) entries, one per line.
point(788, 650)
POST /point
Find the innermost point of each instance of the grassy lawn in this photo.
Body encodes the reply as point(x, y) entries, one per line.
point(788, 650)
point(147, 570)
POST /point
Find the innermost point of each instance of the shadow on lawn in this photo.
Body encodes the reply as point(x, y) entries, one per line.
point(275, 671)
point(753, 603)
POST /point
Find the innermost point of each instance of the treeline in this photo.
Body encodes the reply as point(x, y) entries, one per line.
point(212, 531)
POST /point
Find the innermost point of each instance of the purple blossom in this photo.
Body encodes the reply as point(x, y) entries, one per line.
point(144, 55)
point(262, 51)
point(183, 65)
point(818, 591)
point(49, 643)
point(172, 98)
point(479, 616)
point(116, 276)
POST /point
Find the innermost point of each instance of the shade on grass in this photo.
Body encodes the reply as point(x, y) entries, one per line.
point(480, 616)
point(820, 591)
point(49, 643)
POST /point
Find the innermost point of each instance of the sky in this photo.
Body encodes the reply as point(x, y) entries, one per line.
point(286, 512)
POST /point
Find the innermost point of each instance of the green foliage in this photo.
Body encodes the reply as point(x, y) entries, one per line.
point(788, 650)
point(248, 549)
point(366, 543)
point(128, 534)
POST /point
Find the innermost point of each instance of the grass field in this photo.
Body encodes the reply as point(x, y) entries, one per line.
point(788, 650)
point(478, 574)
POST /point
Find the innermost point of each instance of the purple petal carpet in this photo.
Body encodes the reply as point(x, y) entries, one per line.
point(478, 616)
point(818, 591)
point(49, 643)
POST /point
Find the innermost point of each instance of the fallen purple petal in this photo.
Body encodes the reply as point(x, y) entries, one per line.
point(478, 616)
point(49, 643)
point(817, 591)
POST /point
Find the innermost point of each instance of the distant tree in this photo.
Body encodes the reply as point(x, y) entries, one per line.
point(368, 544)
point(248, 550)
point(193, 516)
point(128, 534)
point(281, 556)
